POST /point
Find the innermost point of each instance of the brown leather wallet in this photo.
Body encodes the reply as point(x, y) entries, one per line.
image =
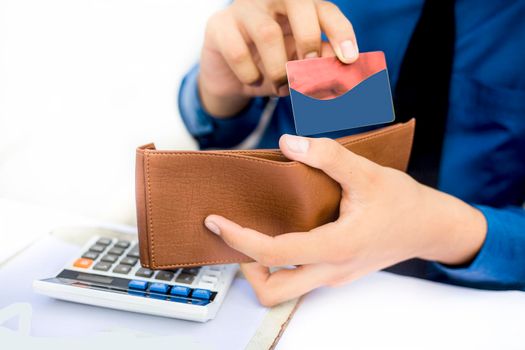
point(260, 189)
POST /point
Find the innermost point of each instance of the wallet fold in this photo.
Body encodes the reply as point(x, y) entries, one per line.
point(260, 189)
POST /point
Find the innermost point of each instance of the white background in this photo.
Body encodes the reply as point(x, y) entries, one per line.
point(82, 84)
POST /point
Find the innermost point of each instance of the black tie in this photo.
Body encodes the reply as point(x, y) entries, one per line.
point(422, 90)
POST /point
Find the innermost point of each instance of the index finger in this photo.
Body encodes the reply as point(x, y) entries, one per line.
point(339, 31)
point(268, 37)
point(305, 27)
point(294, 248)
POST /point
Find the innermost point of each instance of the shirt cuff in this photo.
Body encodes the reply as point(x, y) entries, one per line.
point(500, 263)
point(211, 132)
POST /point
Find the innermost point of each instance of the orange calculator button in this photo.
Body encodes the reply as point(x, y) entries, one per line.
point(83, 263)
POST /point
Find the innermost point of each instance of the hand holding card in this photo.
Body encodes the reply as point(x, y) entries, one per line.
point(328, 95)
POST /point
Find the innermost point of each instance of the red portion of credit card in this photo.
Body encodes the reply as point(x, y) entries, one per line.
point(326, 78)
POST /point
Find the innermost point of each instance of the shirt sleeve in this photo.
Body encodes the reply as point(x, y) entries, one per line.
point(211, 132)
point(500, 263)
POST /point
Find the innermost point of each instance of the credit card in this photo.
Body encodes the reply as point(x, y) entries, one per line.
point(328, 95)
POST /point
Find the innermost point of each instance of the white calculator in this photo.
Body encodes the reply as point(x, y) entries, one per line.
point(108, 273)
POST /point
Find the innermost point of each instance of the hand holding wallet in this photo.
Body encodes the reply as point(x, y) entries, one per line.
point(260, 189)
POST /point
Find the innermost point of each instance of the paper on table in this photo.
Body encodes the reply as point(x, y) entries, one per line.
point(387, 311)
point(235, 324)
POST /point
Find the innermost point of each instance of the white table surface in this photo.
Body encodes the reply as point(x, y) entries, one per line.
point(387, 311)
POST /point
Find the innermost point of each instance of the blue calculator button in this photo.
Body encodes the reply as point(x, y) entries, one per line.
point(158, 288)
point(201, 294)
point(140, 285)
point(158, 296)
point(199, 302)
point(181, 300)
point(180, 290)
point(136, 293)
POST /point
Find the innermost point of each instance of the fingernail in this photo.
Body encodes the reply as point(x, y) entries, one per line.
point(297, 144)
point(210, 225)
point(348, 50)
point(312, 54)
point(283, 90)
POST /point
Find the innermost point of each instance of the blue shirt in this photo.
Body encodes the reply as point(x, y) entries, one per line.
point(483, 159)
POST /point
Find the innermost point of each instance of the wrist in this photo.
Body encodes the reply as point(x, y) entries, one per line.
point(456, 230)
point(217, 105)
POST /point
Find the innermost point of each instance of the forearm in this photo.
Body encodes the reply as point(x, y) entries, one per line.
point(209, 131)
point(456, 230)
point(500, 263)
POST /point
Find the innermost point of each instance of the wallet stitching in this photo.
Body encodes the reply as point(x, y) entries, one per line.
point(149, 153)
point(292, 163)
point(150, 220)
point(200, 262)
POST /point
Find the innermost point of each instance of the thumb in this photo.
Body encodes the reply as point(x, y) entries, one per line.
point(328, 155)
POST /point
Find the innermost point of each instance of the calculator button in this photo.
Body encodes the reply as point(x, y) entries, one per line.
point(116, 251)
point(104, 241)
point(136, 293)
point(122, 269)
point(122, 244)
point(134, 253)
point(144, 272)
point(109, 258)
point(210, 279)
point(200, 302)
point(164, 275)
point(192, 271)
point(140, 285)
point(206, 285)
point(129, 261)
point(181, 300)
point(83, 263)
point(180, 291)
point(185, 278)
point(210, 273)
point(158, 288)
point(90, 255)
point(97, 248)
point(102, 266)
point(201, 294)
